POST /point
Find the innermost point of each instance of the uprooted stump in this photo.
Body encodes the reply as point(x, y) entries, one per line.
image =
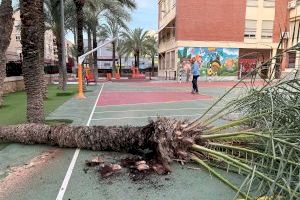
point(165, 137)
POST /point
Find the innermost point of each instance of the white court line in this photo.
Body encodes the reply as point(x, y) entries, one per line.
point(152, 110)
point(146, 117)
point(169, 102)
point(65, 183)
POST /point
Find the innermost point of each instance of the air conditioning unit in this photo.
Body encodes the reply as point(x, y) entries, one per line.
point(285, 35)
point(292, 4)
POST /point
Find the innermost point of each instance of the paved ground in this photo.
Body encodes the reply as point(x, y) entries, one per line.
point(41, 172)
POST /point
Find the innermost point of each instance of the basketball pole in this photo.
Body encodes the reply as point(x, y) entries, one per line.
point(80, 94)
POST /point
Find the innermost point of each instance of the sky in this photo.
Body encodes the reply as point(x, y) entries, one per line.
point(145, 16)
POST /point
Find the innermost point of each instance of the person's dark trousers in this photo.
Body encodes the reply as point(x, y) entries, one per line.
point(195, 84)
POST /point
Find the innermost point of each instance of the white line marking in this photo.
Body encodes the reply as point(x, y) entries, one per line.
point(95, 105)
point(169, 102)
point(151, 110)
point(65, 183)
point(146, 117)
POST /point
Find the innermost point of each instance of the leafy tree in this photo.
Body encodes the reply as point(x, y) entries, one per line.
point(152, 50)
point(134, 42)
point(53, 16)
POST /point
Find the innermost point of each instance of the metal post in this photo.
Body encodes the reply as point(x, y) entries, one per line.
point(80, 83)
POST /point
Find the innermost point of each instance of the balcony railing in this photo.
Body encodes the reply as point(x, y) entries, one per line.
point(293, 3)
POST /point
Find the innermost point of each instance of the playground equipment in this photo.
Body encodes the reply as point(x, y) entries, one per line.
point(80, 69)
point(136, 73)
point(90, 77)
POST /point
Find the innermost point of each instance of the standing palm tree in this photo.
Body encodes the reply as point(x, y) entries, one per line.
point(111, 29)
point(30, 39)
point(121, 51)
point(134, 42)
point(42, 29)
point(79, 4)
point(6, 21)
point(104, 9)
point(53, 19)
point(151, 50)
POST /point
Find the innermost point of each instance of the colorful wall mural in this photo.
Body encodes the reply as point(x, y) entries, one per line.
point(212, 61)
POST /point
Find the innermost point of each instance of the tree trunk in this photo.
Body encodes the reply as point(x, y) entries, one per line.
point(138, 59)
point(160, 136)
point(75, 36)
point(42, 49)
point(63, 46)
point(91, 64)
point(80, 22)
point(95, 44)
point(7, 22)
point(135, 60)
point(120, 61)
point(32, 72)
point(114, 57)
point(153, 65)
point(60, 61)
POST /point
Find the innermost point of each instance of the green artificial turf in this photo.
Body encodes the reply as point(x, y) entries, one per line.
point(14, 109)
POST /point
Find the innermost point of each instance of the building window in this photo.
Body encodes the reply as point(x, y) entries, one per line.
point(269, 3)
point(173, 3)
point(250, 29)
point(252, 3)
point(292, 60)
point(267, 29)
point(18, 38)
point(173, 60)
point(160, 10)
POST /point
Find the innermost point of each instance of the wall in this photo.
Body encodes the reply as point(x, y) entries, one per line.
point(260, 13)
point(212, 61)
point(281, 19)
point(213, 20)
point(13, 84)
point(16, 83)
point(15, 47)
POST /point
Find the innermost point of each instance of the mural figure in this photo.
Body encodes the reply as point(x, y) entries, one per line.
point(212, 61)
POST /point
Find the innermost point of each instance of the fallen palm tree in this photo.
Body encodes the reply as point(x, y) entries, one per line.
point(261, 142)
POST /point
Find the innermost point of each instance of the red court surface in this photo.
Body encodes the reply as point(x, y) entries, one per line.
point(127, 98)
point(203, 84)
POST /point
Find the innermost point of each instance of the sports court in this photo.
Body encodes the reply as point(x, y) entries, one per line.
point(43, 172)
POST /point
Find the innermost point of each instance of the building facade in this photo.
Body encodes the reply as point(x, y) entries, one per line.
point(14, 51)
point(294, 37)
point(228, 38)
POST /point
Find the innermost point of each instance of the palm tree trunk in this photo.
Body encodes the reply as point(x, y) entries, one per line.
point(159, 136)
point(120, 61)
point(95, 138)
point(2, 75)
point(91, 61)
point(30, 39)
point(7, 22)
point(63, 45)
point(114, 57)
point(138, 59)
point(80, 22)
point(60, 61)
point(135, 60)
point(95, 44)
point(75, 36)
point(42, 48)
